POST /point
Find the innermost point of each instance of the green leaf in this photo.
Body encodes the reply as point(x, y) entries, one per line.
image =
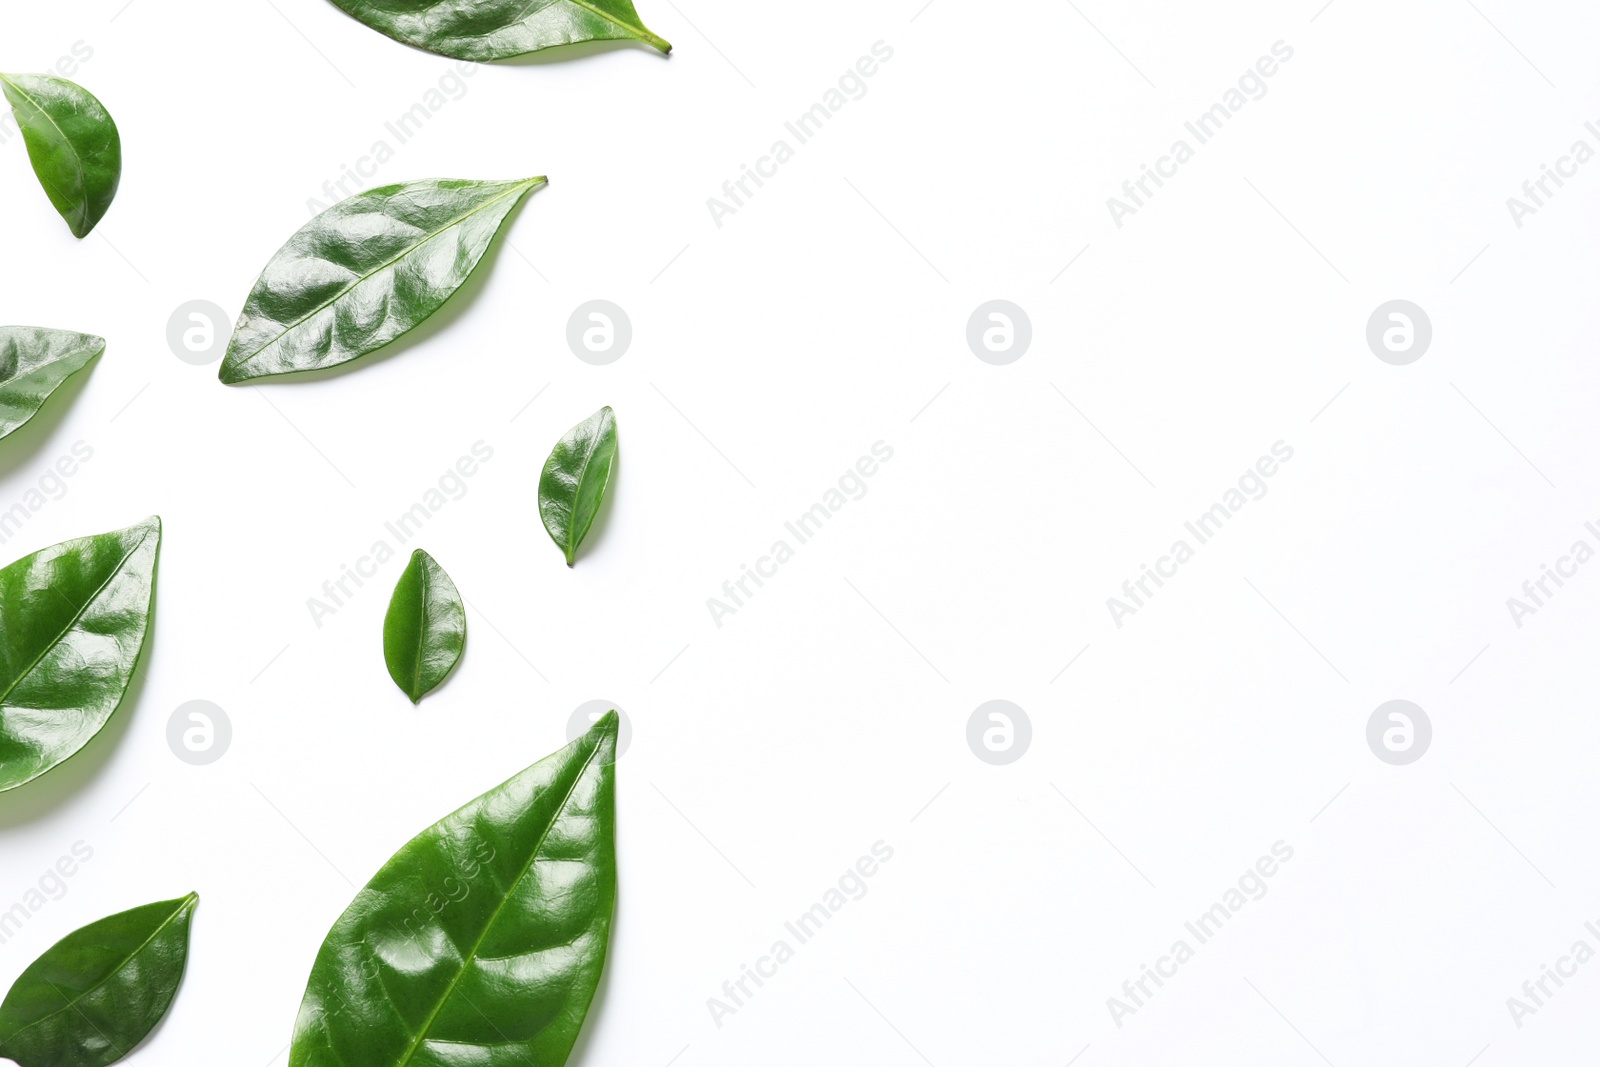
point(482, 940)
point(574, 480)
point(425, 629)
point(364, 272)
point(498, 29)
point(99, 991)
point(73, 620)
point(33, 364)
point(73, 143)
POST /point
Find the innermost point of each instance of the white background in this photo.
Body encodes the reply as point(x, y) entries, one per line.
point(768, 355)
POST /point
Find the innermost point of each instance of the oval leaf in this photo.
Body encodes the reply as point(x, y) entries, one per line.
point(425, 629)
point(499, 29)
point(100, 990)
point(33, 364)
point(73, 620)
point(75, 147)
point(482, 940)
point(364, 272)
point(574, 480)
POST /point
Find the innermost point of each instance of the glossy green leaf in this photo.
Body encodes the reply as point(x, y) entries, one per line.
point(33, 364)
point(482, 940)
point(73, 143)
point(364, 272)
point(73, 620)
point(99, 991)
point(574, 480)
point(499, 29)
point(425, 629)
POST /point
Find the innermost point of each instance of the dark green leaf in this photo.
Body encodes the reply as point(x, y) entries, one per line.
point(73, 619)
point(574, 480)
point(100, 990)
point(33, 364)
point(364, 272)
point(499, 29)
point(74, 145)
point(425, 629)
point(482, 940)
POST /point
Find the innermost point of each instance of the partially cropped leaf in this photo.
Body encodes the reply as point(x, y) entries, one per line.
point(73, 143)
point(482, 940)
point(499, 29)
point(73, 620)
point(574, 480)
point(365, 271)
point(425, 629)
point(33, 364)
point(100, 990)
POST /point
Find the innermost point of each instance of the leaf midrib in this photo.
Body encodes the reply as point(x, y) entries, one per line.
point(471, 957)
point(577, 493)
point(121, 563)
point(25, 379)
point(184, 904)
point(422, 631)
point(82, 209)
point(521, 187)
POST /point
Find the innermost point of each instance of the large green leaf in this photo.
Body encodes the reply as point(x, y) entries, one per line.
point(425, 629)
point(366, 271)
point(100, 990)
point(499, 29)
point(73, 143)
point(482, 940)
point(73, 620)
point(33, 364)
point(574, 480)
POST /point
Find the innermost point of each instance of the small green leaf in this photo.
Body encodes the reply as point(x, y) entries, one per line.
point(482, 940)
point(73, 620)
point(425, 629)
point(574, 480)
point(73, 143)
point(366, 271)
point(99, 991)
point(499, 29)
point(33, 364)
